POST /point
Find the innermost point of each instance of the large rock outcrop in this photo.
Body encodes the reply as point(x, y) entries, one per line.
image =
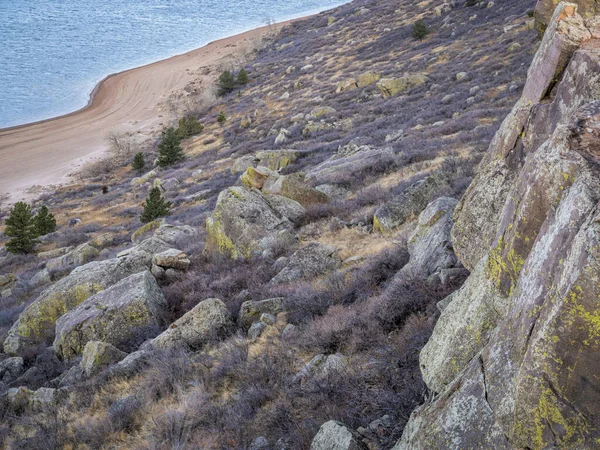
point(119, 315)
point(36, 324)
point(208, 320)
point(514, 356)
point(247, 222)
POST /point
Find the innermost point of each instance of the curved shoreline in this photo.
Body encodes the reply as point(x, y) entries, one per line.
point(45, 152)
point(99, 84)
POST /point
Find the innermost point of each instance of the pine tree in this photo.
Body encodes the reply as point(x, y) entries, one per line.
point(44, 222)
point(21, 229)
point(242, 77)
point(226, 83)
point(221, 118)
point(138, 163)
point(169, 150)
point(155, 206)
point(420, 30)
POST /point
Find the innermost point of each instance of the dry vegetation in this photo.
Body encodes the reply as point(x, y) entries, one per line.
point(232, 392)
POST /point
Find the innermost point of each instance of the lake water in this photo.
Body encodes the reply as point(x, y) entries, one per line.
point(53, 52)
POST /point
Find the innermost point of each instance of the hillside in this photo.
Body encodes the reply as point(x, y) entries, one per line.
point(308, 253)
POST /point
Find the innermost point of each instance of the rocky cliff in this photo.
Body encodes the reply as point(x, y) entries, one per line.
point(513, 360)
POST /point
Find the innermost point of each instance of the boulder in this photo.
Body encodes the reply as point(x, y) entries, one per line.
point(346, 85)
point(256, 330)
point(390, 87)
point(132, 364)
point(294, 187)
point(256, 177)
point(330, 170)
point(335, 435)
point(36, 324)
point(430, 245)
point(103, 240)
point(276, 159)
point(208, 320)
point(171, 259)
point(53, 254)
point(138, 181)
point(313, 127)
point(79, 256)
point(146, 230)
point(409, 204)
point(251, 312)
point(99, 355)
point(320, 112)
point(283, 136)
point(11, 369)
point(7, 281)
point(41, 278)
point(367, 79)
point(312, 260)
point(246, 223)
point(241, 164)
point(119, 315)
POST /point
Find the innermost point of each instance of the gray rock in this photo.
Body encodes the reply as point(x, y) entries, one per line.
point(336, 436)
point(117, 315)
point(407, 205)
point(7, 281)
point(79, 256)
point(312, 260)
point(245, 223)
point(251, 312)
point(171, 259)
point(256, 330)
point(11, 369)
point(208, 320)
point(99, 355)
point(430, 246)
point(132, 364)
point(36, 324)
point(267, 318)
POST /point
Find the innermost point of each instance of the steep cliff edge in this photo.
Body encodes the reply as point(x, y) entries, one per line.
point(514, 356)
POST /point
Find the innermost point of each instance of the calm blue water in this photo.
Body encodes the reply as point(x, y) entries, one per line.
point(53, 52)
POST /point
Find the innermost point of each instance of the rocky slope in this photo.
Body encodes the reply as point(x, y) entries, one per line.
point(285, 301)
point(513, 359)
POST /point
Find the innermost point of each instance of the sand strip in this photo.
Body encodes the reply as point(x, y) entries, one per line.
point(47, 152)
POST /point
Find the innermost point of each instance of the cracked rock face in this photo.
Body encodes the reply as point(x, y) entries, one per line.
point(514, 356)
point(118, 315)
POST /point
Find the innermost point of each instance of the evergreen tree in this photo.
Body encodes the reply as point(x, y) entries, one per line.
point(242, 77)
point(155, 206)
point(420, 30)
point(226, 83)
point(188, 126)
point(221, 118)
point(21, 229)
point(138, 163)
point(169, 150)
point(44, 222)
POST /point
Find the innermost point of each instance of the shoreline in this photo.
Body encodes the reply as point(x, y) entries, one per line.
point(49, 152)
point(99, 84)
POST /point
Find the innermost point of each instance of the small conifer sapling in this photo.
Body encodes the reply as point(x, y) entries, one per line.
point(44, 222)
point(420, 30)
point(21, 229)
point(138, 163)
point(155, 206)
point(242, 77)
point(169, 150)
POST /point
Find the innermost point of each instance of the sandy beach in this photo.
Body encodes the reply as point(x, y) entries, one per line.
point(48, 152)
